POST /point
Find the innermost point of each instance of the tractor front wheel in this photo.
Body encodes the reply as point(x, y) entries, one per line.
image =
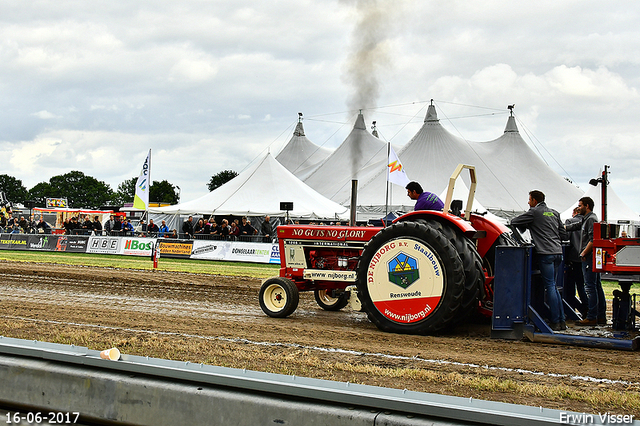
point(279, 297)
point(326, 301)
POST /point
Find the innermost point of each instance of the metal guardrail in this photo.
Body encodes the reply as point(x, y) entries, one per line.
point(412, 407)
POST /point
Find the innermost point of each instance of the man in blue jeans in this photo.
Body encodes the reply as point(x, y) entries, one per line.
point(574, 280)
point(596, 314)
point(547, 232)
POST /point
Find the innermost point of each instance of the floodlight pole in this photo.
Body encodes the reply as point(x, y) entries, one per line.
point(604, 183)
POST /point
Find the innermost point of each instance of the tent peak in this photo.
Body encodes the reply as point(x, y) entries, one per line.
point(511, 125)
point(431, 116)
point(360, 123)
point(299, 130)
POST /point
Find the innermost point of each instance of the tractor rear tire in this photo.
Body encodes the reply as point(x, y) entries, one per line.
point(411, 280)
point(279, 297)
point(471, 262)
point(329, 303)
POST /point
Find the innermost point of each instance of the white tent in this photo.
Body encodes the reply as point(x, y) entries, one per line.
point(301, 156)
point(360, 157)
point(258, 191)
point(617, 210)
point(428, 158)
point(507, 169)
point(520, 170)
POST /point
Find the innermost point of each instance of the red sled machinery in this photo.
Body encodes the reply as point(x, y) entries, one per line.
point(617, 254)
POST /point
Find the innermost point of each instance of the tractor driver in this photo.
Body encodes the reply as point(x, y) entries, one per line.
point(425, 200)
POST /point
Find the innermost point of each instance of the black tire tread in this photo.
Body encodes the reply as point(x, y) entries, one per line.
point(454, 285)
point(472, 263)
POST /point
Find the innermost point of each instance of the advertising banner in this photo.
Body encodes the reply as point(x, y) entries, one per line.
point(250, 252)
point(72, 243)
point(175, 248)
point(5, 241)
point(275, 254)
point(56, 202)
point(137, 246)
point(143, 186)
point(13, 242)
point(236, 251)
point(210, 249)
point(42, 242)
point(104, 245)
point(132, 246)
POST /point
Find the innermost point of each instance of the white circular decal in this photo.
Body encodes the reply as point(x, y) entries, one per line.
point(405, 280)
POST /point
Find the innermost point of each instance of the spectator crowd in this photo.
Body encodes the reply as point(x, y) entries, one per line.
point(20, 225)
point(230, 229)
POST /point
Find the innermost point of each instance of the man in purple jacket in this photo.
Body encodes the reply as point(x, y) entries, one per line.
point(425, 200)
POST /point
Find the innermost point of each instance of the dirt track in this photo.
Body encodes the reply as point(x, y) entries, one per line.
point(218, 320)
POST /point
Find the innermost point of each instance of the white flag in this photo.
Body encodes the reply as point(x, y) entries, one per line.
point(395, 170)
point(141, 199)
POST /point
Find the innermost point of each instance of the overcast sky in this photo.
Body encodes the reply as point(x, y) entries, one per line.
point(212, 85)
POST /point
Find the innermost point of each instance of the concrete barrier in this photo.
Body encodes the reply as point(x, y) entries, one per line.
point(45, 377)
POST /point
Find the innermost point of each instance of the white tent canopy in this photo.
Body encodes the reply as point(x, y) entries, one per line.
point(301, 156)
point(507, 169)
point(617, 210)
point(520, 170)
point(428, 158)
point(360, 157)
point(258, 191)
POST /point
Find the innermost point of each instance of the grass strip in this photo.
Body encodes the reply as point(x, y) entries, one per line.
point(213, 267)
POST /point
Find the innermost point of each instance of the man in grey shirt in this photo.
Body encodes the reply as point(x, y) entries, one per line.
point(548, 233)
point(592, 284)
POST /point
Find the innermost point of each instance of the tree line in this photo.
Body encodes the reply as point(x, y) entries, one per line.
point(82, 191)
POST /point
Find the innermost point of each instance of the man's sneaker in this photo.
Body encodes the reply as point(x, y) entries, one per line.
point(587, 322)
point(558, 326)
point(602, 320)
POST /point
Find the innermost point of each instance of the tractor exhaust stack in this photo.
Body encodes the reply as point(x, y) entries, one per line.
point(354, 198)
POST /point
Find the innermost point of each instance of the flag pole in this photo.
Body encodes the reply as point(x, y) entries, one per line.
point(146, 207)
point(386, 200)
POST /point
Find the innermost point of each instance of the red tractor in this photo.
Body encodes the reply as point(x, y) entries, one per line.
point(421, 275)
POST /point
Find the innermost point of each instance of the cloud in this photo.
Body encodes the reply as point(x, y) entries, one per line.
point(212, 85)
point(596, 84)
point(193, 70)
point(45, 115)
point(104, 107)
point(26, 156)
